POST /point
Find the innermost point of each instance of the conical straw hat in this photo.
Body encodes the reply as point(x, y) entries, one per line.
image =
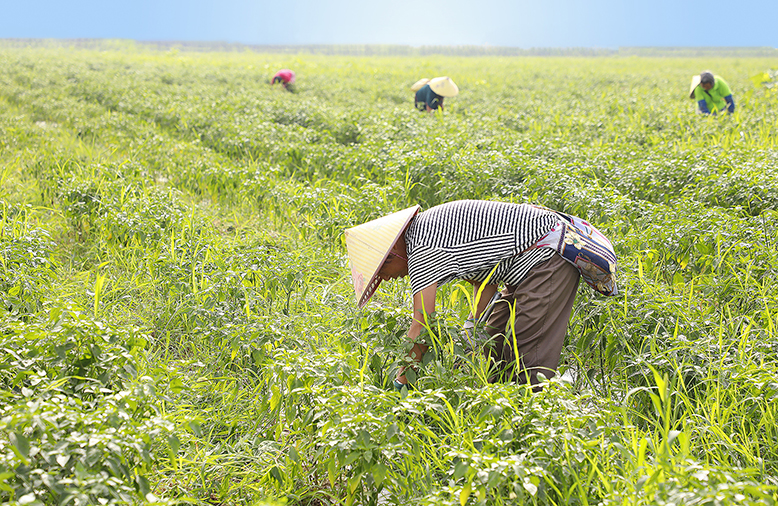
point(444, 87)
point(695, 83)
point(369, 245)
point(420, 84)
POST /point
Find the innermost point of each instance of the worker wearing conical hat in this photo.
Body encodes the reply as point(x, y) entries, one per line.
point(431, 92)
point(711, 93)
point(487, 244)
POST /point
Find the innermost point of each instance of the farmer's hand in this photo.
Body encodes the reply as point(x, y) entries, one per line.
point(474, 338)
point(468, 334)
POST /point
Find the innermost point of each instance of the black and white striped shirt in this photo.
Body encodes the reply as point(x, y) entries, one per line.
point(466, 239)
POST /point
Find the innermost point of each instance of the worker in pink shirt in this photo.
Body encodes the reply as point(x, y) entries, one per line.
point(285, 77)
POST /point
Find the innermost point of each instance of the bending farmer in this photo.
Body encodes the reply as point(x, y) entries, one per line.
point(711, 93)
point(431, 92)
point(536, 253)
point(286, 77)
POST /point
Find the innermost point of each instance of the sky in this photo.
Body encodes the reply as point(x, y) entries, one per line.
point(514, 23)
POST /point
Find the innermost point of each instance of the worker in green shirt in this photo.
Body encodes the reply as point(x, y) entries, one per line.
point(711, 93)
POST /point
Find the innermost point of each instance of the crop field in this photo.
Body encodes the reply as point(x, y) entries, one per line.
point(179, 326)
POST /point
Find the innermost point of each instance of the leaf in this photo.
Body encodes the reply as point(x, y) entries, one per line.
point(331, 469)
point(275, 472)
point(20, 445)
point(671, 436)
point(392, 431)
point(93, 456)
point(293, 455)
point(364, 438)
point(460, 469)
point(376, 362)
point(194, 426)
point(308, 417)
point(507, 435)
point(642, 447)
point(351, 458)
point(678, 279)
point(531, 488)
point(275, 398)
point(3, 478)
point(176, 385)
point(661, 384)
point(464, 494)
point(143, 485)
point(174, 444)
point(353, 483)
point(762, 77)
point(379, 473)
point(27, 499)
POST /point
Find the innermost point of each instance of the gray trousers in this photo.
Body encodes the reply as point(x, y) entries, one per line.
point(543, 303)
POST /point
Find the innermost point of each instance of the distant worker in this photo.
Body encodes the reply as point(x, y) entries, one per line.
point(711, 93)
point(431, 92)
point(285, 77)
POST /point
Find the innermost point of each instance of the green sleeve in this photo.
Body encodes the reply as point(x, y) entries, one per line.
point(723, 87)
point(699, 93)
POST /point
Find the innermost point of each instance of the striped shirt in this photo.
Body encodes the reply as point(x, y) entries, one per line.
point(466, 239)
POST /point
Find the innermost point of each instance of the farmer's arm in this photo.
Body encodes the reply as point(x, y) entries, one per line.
point(423, 306)
point(730, 103)
point(699, 96)
point(436, 102)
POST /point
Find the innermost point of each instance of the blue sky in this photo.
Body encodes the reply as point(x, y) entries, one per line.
point(518, 23)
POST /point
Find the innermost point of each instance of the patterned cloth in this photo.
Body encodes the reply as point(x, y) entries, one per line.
point(578, 242)
point(466, 239)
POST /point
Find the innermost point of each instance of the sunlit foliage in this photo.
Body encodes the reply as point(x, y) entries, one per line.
point(177, 319)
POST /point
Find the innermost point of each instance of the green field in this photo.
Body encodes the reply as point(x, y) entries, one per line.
point(178, 323)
